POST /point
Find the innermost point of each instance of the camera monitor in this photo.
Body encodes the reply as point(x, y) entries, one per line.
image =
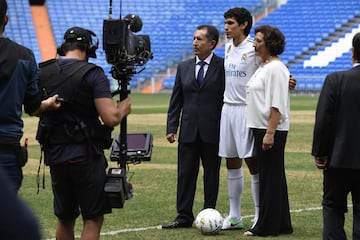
point(139, 147)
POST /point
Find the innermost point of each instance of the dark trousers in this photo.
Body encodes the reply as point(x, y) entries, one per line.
point(12, 169)
point(189, 156)
point(274, 212)
point(338, 183)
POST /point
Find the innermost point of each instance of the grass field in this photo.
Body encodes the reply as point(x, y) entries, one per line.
point(154, 182)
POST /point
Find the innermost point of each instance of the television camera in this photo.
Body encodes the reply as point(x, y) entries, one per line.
point(121, 45)
point(124, 51)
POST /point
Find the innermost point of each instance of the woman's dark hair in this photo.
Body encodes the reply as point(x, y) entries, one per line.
point(241, 15)
point(274, 39)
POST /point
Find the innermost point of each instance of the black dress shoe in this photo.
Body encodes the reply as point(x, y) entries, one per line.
point(176, 224)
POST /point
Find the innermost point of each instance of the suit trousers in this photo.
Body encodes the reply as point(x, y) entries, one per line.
point(338, 183)
point(189, 156)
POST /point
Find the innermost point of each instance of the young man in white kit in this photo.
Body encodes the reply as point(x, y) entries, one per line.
point(236, 140)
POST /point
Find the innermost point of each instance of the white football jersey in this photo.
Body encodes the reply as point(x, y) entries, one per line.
point(240, 64)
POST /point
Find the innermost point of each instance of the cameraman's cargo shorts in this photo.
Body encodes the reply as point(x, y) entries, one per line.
point(78, 186)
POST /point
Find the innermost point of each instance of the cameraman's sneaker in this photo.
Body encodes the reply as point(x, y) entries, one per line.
point(232, 223)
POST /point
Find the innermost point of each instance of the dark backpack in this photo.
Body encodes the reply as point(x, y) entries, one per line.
point(66, 83)
point(76, 124)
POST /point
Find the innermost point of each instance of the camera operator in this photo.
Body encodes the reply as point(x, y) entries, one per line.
point(73, 137)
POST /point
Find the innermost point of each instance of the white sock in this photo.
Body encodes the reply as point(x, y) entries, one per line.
point(235, 189)
point(255, 188)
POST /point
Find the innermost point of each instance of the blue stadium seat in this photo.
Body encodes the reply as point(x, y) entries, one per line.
point(18, 28)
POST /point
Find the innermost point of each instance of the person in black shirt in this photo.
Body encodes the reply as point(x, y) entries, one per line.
point(74, 136)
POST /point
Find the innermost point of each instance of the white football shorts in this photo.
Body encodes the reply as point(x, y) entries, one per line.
point(236, 140)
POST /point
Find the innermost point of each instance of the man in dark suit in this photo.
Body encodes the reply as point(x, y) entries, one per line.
point(336, 146)
point(197, 107)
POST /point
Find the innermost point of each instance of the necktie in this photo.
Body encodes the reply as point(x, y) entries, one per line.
point(200, 76)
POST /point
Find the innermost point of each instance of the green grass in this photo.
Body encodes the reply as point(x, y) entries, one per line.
point(303, 102)
point(154, 182)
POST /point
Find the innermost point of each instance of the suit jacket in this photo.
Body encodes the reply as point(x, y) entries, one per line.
point(337, 122)
point(199, 107)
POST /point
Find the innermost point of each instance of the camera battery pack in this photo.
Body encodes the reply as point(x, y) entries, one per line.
point(114, 187)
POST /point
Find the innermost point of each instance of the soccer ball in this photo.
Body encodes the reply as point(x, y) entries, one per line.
point(209, 221)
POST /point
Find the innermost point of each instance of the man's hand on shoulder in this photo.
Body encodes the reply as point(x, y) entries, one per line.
point(292, 82)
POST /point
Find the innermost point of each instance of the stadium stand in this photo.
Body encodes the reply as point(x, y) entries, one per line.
point(317, 33)
point(318, 37)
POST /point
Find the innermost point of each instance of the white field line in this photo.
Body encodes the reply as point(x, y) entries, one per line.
point(159, 226)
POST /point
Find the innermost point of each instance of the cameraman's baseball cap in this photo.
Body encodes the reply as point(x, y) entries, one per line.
point(78, 34)
point(81, 35)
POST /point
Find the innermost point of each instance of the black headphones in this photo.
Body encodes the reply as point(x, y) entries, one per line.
point(81, 35)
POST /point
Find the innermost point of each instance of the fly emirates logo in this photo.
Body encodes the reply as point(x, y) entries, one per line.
point(232, 71)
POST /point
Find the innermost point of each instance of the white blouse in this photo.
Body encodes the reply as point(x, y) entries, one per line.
point(268, 87)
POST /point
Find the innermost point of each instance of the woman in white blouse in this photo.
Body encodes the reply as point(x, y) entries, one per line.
point(268, 113)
